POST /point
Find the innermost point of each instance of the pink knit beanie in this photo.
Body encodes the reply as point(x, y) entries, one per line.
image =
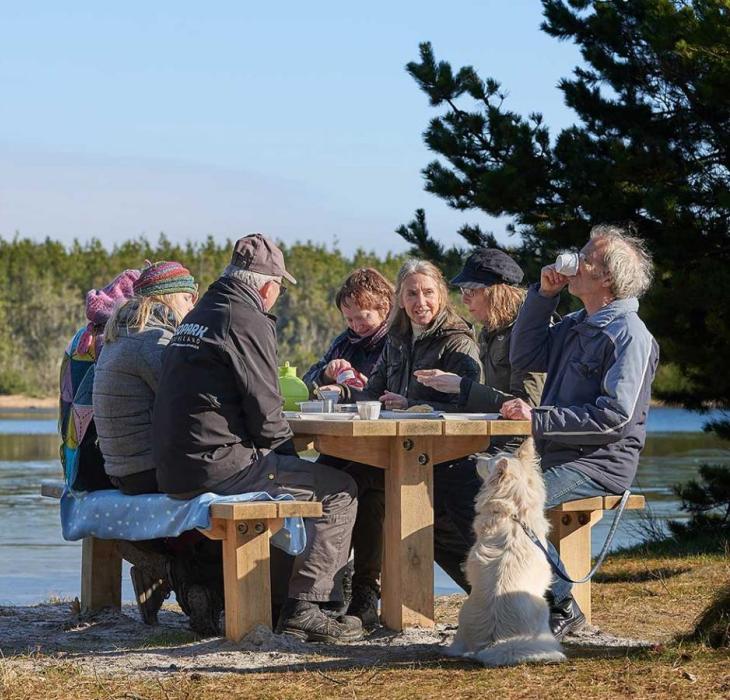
point(101, 302)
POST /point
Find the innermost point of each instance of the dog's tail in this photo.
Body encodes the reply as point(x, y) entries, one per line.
point(543, 648)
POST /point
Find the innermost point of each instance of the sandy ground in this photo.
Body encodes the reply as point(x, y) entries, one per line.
point(114, 642)
point(17, 402)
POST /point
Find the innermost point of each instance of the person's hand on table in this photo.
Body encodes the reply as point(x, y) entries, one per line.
point(551, 281)
point(335, 367)
point(392, 400)
point(445, 382)
point(516, 409)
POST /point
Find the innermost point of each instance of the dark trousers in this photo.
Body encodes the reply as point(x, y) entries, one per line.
point(135, 484)
point(316, 572)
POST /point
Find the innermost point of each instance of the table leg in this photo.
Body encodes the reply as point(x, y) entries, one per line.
point(407, 591)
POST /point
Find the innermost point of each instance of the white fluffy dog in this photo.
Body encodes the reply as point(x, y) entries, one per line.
point(505, 619)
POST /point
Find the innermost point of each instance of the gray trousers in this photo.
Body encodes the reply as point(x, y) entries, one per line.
point(317, 570)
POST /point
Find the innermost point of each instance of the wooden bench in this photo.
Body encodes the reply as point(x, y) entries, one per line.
point(244, 530)
point(570, 533)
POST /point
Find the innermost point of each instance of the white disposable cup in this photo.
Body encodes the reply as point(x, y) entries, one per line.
point(368, 410)
point(567, 264)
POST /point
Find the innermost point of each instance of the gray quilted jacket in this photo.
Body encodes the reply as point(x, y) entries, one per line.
point(125, 384)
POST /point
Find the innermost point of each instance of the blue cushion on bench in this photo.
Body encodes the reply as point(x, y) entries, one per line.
point(110, 515)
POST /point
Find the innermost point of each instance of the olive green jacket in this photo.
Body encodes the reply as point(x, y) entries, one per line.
point(501, 381)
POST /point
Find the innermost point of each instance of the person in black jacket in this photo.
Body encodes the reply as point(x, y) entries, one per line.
point(424, 332)
point(218, 426)
point(365, 301)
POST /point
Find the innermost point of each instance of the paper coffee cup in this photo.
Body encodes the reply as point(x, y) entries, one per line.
point(567, 264)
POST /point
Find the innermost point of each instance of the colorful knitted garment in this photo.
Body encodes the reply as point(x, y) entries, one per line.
point(165, 278)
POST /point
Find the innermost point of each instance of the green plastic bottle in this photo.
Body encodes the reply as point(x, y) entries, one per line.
point(292, 389)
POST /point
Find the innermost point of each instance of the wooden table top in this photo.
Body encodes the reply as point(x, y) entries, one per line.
point(410, 426)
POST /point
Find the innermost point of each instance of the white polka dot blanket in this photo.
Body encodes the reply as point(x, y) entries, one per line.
point(110, 515)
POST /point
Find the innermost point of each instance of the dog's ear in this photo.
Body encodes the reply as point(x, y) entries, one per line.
point(484, 466)
point(501, 468)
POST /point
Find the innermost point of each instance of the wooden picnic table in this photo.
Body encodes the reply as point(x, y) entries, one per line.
point(407, 450)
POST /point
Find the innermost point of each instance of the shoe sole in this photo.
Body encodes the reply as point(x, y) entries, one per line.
point(303, 636)
point(148, 618)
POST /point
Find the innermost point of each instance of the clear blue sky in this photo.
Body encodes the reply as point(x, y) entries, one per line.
point(295, 119)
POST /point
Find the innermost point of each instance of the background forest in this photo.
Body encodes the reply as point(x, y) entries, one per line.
point(43, 285)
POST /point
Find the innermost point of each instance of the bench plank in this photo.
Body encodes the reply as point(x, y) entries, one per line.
point(251, 510)
point(600, 503)
point(52, 488)
point(306, 509)
point(635, 502)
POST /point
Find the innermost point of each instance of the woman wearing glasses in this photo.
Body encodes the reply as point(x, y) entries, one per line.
point(489, 284)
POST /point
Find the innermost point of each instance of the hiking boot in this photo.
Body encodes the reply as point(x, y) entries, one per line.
point(304, 620)
point(566, 617)
point(204, 611)
point(364, 606)
point(149, 592)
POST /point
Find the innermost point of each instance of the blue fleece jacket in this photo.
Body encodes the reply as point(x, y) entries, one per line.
point(596, 398)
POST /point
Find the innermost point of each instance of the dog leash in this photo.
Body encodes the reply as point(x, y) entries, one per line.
point(601, 556)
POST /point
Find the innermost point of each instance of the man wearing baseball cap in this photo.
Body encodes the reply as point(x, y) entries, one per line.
point(218, 426)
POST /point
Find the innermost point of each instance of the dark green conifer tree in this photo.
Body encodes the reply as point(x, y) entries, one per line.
point(651, 145)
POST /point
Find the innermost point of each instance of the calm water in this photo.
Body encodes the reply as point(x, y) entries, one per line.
point(36, 563)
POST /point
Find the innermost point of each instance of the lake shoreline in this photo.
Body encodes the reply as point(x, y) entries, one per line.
point(22, 402)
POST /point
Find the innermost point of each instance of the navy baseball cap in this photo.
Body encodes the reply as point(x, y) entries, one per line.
point(488, 266)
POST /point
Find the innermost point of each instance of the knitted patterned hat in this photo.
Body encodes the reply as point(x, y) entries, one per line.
point(164, 278)
point(101, 302)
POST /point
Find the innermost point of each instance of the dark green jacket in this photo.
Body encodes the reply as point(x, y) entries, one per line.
point(449, 345)
point(501, 381)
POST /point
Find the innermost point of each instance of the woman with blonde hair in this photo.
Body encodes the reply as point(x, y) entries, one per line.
point(128, 369)
point(125, 384)
point(424, 332)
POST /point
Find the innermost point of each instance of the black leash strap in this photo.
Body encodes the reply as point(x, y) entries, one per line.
point(601, 557)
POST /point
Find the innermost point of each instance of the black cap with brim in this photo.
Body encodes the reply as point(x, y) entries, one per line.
point(488, 266)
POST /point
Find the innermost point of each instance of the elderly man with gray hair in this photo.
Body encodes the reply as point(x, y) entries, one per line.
point(218, 426)
point(600, 363)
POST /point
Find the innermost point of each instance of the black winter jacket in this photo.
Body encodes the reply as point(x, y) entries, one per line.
point(218, 402)
point(361, 353)
point(448, 345)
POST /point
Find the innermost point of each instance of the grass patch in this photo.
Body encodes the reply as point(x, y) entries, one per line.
point(651, 595)
point(693, 671)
